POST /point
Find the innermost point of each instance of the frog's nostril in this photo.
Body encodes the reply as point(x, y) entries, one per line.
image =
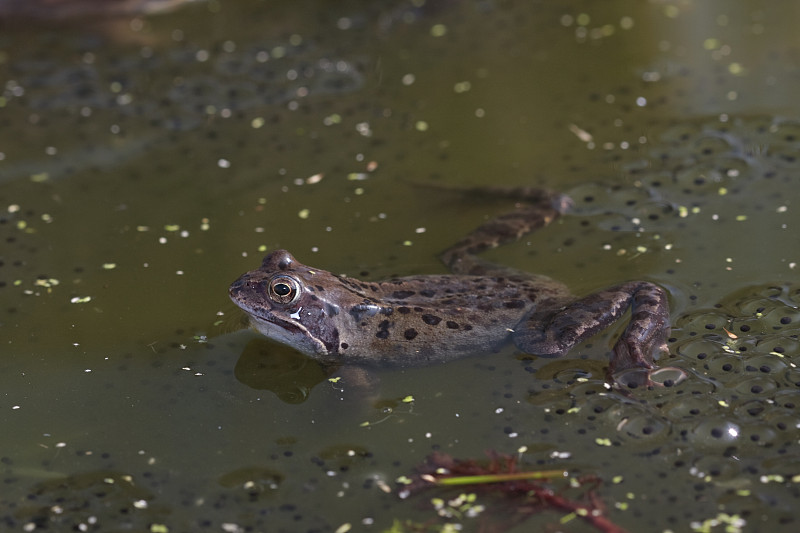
point(237, 286)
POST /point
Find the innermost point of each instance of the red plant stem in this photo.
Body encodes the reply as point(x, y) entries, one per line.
point(600, 521)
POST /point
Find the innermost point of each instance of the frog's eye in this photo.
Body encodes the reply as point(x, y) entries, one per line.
point(283, 289)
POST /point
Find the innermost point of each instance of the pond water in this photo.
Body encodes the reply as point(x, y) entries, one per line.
point(145, 163)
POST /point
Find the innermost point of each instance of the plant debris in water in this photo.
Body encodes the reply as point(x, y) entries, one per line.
point(516, 495)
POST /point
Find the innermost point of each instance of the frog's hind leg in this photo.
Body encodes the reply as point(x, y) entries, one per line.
point(553, 335)
point(535, 208)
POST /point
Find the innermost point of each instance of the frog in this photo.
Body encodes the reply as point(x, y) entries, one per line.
point(478, 308)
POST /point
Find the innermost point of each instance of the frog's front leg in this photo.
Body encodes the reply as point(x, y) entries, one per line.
point(550, 334)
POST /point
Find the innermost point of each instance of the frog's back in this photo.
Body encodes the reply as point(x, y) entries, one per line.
point(408, 321)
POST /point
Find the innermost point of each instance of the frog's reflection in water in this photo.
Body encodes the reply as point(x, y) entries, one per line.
point(290, 375)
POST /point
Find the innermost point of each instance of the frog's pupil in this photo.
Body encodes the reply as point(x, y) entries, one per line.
point(282, 289)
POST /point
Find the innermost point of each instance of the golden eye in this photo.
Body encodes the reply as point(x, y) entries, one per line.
point(283, 289)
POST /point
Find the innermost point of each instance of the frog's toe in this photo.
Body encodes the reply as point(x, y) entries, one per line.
point(632, 378)
point(629, 354)
point(563, 203)
point(668, 376)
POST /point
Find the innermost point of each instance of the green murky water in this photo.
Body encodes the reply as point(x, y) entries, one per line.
point(144, 165)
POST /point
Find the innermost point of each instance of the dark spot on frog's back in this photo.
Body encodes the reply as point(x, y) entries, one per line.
point(428, 293)
point(515, 304)
point(431, 320)
point(400, 295)
point(410, 334)
point(383, 330)
point(333, 342)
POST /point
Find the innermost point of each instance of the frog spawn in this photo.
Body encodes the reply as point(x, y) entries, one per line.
point(80, 502)
point(695, 165)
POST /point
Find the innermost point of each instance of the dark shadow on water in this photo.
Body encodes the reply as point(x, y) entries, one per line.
point(265, 365)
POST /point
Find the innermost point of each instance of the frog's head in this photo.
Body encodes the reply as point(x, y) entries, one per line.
point(287, 302)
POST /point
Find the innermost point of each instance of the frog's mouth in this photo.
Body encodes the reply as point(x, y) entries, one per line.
point(288, 332)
